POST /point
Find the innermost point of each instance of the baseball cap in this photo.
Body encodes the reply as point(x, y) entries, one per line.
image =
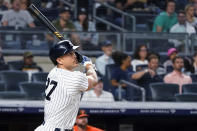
point(106, 43)
point(172, 50)
point(65, 9)
point(27, 54)
point(82, 113)
point(82, 11)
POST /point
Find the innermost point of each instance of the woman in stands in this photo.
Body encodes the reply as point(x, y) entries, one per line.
point(83, 24)
point(121, 72)
point(189, 9)
point(140, 57)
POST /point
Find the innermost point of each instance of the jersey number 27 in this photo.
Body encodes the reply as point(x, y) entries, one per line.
point(49, 82)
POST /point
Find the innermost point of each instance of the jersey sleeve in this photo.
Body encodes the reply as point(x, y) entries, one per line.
point(83, 81)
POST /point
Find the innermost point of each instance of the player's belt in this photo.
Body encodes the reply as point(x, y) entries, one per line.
point(58, 129)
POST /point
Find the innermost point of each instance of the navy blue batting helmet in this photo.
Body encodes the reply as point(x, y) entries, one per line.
point(62, 48)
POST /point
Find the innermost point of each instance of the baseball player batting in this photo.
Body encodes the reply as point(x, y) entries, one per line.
point(64, 87)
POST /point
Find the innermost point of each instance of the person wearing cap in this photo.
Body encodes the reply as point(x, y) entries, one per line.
point(172, 53)
point(64, 23)
point(98, 94)
point(82, 123)
point(177, 76)
point(105, 59)
point(83, 24)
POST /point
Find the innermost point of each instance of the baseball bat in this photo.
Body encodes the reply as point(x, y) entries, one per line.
point(43, 19)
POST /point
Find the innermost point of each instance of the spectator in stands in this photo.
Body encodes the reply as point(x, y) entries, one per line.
point(83, 24)
point(165, 20)
point(190, 16)
point(105, 59)
point(140, 57)
point(24, 4)
point(181, 27)
point(177, 77)
point(134, 5)
point(194, 66)
point(195, 7)
point(149, 75)
point(28, 63)
point(122, 72)
point(98, 94)
point(2, 6)
point(64, 23)
point(172, 53)
point(82, 123)
point(17, 17)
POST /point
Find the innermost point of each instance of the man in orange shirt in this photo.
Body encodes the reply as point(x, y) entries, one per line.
point(82, 123)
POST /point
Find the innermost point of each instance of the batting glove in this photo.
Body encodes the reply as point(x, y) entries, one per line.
point(86, 61)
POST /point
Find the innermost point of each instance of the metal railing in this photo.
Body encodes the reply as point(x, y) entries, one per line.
point(73, 6)
point(130, 39)
point(131, 85)
point(16, 42)
point(123, 14)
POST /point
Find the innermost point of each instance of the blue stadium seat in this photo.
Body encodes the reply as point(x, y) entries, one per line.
point(14, 65)
point(12, 95)
point(186, 97)
point(33, 90)
point(107, 78)
point(39, 77)
point(163, 91)
point(169, 69)
point(13, 78)
point(194, 77)
point(189, 88)
point(2, 86)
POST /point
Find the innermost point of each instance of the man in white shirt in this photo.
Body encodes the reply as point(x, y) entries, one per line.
point(17, 17)
point(105, 59)
point(181, 27)
point(98, 94)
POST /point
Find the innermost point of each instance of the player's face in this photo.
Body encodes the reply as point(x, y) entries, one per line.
point(68, 61)
point(82, 122)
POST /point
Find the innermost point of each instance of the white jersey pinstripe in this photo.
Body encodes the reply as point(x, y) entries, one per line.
point(61, 110)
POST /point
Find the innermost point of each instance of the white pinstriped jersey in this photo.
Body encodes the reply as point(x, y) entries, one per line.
point(63, 93)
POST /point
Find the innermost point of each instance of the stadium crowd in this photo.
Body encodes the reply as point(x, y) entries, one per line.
point(142, 68)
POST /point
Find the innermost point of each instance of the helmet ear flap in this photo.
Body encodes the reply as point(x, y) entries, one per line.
point(79, 57)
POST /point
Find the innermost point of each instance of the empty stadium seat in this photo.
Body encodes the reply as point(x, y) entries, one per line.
point(169, 69)
point(189, 88)
point(12, 95)
point(33, 90)
point(13, 78)
point(163, 92)
point(194, 77)
point(14, 65)
point(2, 86)
point(39, 77)
point(186, 97)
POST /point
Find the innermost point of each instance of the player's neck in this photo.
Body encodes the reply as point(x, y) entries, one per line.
point(63, 67)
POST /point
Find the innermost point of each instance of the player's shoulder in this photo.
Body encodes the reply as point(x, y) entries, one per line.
point(79, 74)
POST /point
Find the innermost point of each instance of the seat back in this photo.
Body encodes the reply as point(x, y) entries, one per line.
point(164, 92)
point(186, 97)
point(13, 78)
point(14, 65)
point(39, 77)
point(189, 88)
point(33, 90)
point(194, 77)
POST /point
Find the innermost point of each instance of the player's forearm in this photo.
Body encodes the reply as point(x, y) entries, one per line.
point(92, 76)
